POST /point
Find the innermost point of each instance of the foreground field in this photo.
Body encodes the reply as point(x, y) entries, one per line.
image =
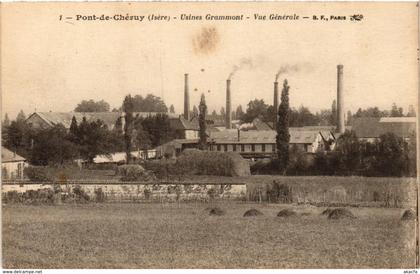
point(185, 236)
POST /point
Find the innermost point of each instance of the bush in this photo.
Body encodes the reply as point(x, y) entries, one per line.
point(197, 162)
point(134, 173)
point(80, 194)
point(99, 195)
point(37, 174)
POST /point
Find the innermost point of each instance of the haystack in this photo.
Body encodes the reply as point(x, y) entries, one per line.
point(252, 212)
point(341, 213)
point(327, 211)
point(216, 211)
point(408, 215)
point(286, 213)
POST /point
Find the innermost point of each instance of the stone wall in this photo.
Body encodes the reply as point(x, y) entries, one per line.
point(148, 192)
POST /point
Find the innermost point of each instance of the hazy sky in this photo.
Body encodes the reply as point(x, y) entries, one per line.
point(49, 64)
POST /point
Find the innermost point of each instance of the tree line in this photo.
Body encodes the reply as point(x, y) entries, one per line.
point(388, 155)
point(57, 145)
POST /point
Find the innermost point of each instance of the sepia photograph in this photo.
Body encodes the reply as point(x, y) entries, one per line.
point(209, 135)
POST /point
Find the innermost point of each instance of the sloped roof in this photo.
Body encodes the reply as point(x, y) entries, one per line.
point(65, 118)
point(109, 118)
point(375, 127)
point(8, 156)
point(260, 125)
point(261, 136)
point(398, 120)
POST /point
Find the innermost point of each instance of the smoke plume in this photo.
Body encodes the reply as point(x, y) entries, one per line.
point(248, 63)
point(244, 63)
point(287, 69)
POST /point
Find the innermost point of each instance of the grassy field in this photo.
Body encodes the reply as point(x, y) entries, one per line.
point(185, 236)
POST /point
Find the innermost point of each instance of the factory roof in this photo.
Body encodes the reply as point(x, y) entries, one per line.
point(8, 156)
point(368, 127)
point(261, 136)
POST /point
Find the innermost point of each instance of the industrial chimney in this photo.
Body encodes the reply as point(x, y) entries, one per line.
point(340, 101)
point(276, 104)
point(228, 106)
point(186, 99)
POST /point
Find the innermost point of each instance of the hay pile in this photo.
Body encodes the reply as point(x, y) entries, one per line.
point(197, 162)
point(408, 215)
point(341, 213)
point(216, 211)
point(253, 212)
point(327, 211)
point(286, 213)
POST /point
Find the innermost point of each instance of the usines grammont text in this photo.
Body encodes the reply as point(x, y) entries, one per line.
point(183, 17)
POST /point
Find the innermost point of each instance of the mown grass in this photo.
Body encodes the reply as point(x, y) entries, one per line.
point(185, 236)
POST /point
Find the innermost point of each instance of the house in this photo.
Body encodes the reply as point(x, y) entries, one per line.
point(184, 129)
point(370, 129)
point(12, 165)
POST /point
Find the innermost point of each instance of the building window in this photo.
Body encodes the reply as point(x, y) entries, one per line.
point(234, 147)
point(263, 147)
point(273, 148)
point(19, 175)
point(218, 148)
point(253, 147)
point(225, 147)
point(242, 148)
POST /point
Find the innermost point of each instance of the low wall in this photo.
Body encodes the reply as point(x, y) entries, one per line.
point(165, 192)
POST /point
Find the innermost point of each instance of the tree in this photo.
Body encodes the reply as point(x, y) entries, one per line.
point(222, 112)
point(74, 130)
point(396, 111)
point(239, 112)
point(17, 137)
point(302, 117)
point(323, 117)
point(370, 112)
point(150, 103)
point(348, 149)
point(6, 120)
point(214, 113)
point(172, 109)
point(202, 123)
point(333, 118)
point(411, 111)
point(283, 136)
point(21, 117)
point(4, 128)
point(349, 118)
point(194, 111)
point(141, 136)
point(93, 139)
point(256, 109)
point(92, 106)
point(391, 157)
point(158, 128)
point(128, 108)
point(52, 147)
point(118, 127)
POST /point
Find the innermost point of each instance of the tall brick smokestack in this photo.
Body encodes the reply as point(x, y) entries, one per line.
point(340, 101)
point(276, 104)
point(186, 99)
point(228, 106)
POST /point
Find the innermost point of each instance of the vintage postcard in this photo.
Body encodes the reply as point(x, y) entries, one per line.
point(209, 135)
